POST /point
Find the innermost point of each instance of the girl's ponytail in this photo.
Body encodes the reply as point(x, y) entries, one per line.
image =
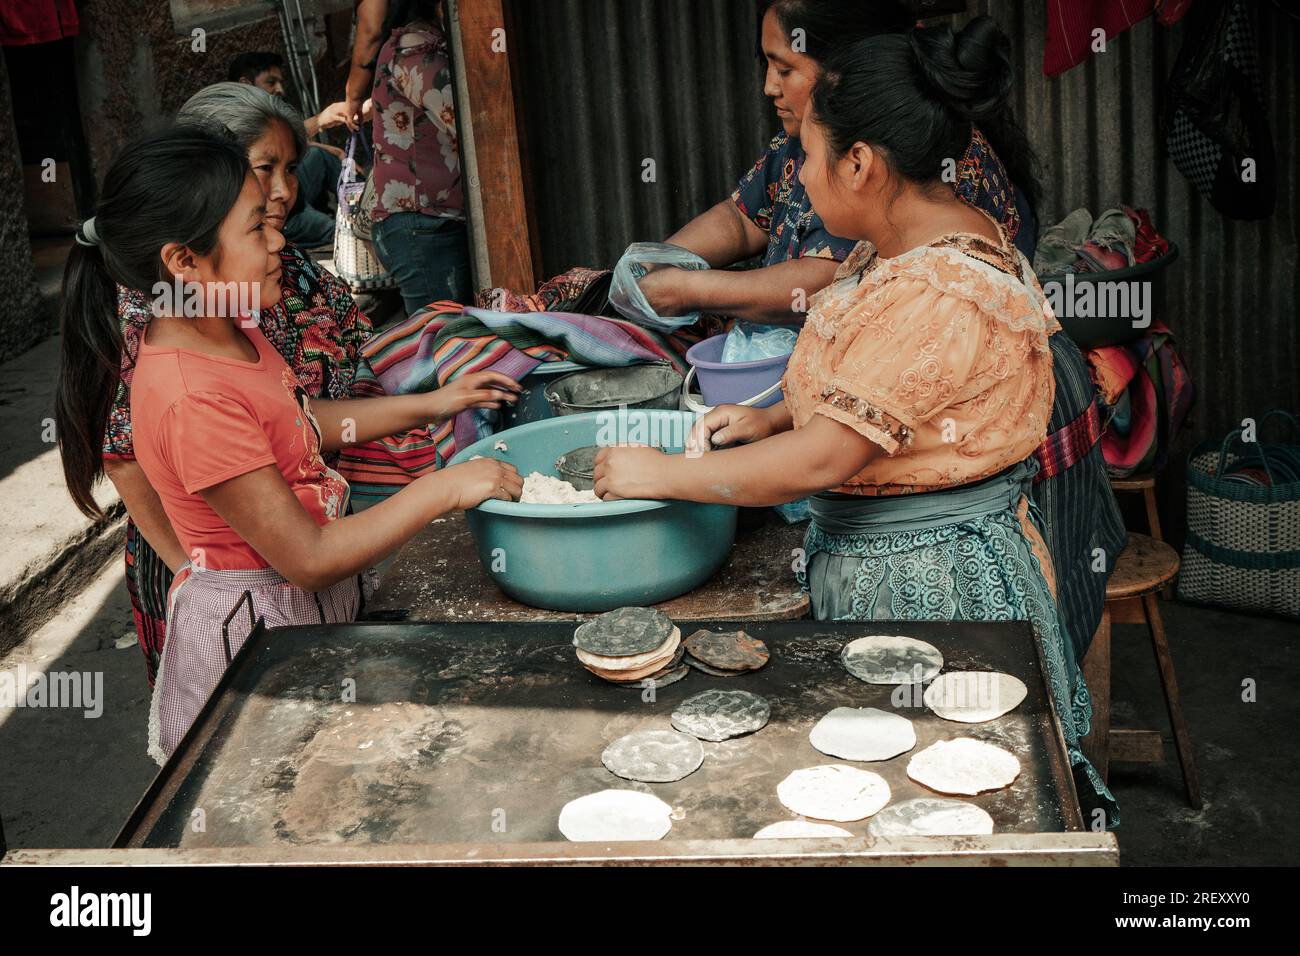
point(90, 362)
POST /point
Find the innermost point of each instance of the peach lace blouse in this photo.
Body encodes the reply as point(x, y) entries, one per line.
point(938, 355)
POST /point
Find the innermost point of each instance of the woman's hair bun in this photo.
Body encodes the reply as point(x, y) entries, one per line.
point(969, 71)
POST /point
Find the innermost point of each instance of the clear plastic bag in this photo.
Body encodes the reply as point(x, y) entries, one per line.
point(749, 342)
point(626, 296)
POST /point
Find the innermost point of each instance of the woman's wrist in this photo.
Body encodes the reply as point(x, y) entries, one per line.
point(779, 418)
point(439, 492)
point(669, 480)
point(428, 408)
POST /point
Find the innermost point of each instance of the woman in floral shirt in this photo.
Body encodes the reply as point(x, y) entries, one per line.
point(419, 231)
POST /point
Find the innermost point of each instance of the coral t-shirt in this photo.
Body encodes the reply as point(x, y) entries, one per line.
point(200, 420)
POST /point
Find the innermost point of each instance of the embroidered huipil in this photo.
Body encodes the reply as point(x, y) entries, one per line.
point(938, 355)
point(771, 197)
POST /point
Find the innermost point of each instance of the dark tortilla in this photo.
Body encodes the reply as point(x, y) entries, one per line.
point(728, 651)
point(624, 632)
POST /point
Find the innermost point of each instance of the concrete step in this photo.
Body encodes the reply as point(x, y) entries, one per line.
point(50, 548)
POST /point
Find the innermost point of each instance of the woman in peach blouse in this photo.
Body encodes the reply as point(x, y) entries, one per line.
point(922, 379)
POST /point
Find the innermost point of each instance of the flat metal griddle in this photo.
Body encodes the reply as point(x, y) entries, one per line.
point(477, 734)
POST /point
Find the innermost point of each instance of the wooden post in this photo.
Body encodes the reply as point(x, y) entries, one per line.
point(490, 148)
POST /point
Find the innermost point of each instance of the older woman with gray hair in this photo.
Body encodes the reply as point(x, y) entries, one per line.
point(315, 326)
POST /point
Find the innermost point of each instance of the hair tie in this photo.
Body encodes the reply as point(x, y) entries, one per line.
point(86, 235)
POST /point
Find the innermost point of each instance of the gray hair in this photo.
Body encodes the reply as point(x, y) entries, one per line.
point(246, 111)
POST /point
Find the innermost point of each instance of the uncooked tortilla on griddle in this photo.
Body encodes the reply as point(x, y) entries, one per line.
point(971, 697)
point(833, 792)
point(863, 733)
point(615, 815)
point(963, 766)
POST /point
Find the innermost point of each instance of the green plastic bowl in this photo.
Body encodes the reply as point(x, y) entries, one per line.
point(596, 557)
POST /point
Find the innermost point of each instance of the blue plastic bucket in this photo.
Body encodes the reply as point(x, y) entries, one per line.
point(595, 557)
point(735, 383)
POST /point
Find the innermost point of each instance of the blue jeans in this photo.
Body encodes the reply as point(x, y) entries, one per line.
point(428, 256)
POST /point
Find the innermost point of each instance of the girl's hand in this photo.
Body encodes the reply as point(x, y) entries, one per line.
point(728, 424)
point(629, 471)
point(476, 390)
point(484, 478)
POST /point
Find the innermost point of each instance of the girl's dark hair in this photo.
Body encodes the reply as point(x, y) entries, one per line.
point(172, 186)
point(918, 94)
point(829, 25)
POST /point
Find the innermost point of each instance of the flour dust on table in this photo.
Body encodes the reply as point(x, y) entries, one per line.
point(800, 829)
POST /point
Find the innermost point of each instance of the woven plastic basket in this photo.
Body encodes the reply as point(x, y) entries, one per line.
point(355, 258)
point(1243, 540)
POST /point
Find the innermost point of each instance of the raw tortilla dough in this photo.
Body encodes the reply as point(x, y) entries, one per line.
point(798, 829)
point(974, 696)
point(615, 815)
point(542, 489)
point(931, 816)
point(863, 733)
point(891, 659)
point(833, 792)
point(963, 766)
point(653, 756)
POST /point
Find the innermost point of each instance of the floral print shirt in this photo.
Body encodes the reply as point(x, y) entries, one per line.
point(316, 328)
point(772, 198)
point(417, 151)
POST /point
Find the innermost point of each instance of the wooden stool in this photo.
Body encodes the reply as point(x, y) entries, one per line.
point(1145, 482)
point(1144, 567)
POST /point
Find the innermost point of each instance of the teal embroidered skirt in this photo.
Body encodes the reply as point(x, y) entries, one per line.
point(953, 555)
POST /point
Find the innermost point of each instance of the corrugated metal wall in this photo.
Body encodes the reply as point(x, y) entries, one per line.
point(609, 83)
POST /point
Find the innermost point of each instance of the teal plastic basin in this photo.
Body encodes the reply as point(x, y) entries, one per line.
point(596, 557)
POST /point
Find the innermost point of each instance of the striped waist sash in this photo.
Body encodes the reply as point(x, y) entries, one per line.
point(1066, 446)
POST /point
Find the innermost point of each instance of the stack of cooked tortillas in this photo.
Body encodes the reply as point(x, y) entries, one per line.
point(629, 645)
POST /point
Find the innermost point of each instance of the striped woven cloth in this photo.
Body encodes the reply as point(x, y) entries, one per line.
point(445, 340)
